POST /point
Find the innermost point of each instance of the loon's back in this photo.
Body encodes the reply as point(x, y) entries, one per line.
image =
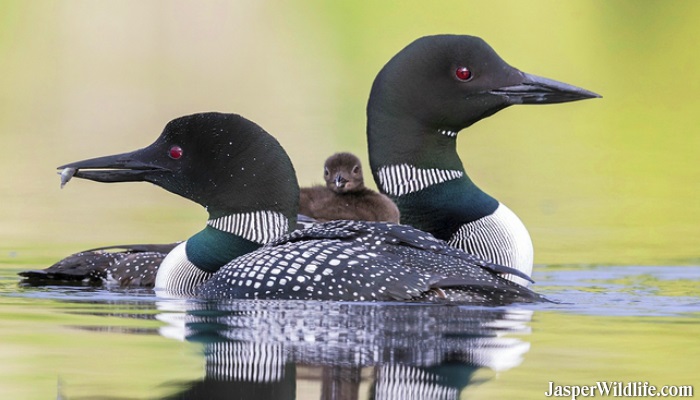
point(364, 261)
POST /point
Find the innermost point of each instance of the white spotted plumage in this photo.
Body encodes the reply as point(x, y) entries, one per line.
point(360, 261)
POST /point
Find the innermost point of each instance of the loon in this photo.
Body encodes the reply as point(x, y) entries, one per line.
point(247, 183)
point(345, 196)
point(420, 100)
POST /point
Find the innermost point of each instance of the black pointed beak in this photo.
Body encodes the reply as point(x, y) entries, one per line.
point(538, 90)
point(124, 167)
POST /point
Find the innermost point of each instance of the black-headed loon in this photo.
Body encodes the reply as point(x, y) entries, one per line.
point(247, 184)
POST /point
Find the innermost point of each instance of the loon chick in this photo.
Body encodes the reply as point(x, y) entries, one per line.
point(345, 195)
point(245, 180)
point(420, 100)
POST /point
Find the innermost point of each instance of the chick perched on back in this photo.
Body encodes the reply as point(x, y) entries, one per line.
point(345, 195)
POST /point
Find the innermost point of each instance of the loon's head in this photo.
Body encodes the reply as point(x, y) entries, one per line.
point(441, 84)
point(343, 173)
point(224, 162)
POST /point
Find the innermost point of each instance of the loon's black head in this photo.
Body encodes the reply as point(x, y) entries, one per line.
point(224, 162)
point(343, 173)
point(453, 81)
point(443, 84)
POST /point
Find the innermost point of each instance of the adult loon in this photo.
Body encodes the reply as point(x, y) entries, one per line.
point(420, 100)
point(247, 184)
point(345, 195)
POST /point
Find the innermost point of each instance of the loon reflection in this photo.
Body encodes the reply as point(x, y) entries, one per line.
point(264, 349)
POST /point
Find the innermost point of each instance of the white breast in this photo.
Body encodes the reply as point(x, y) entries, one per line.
point(500, 238)
point(177, 276)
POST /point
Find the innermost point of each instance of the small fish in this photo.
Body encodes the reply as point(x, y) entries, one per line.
point(66, 175)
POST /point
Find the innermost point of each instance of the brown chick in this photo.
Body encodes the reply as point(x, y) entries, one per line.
point(345, 195)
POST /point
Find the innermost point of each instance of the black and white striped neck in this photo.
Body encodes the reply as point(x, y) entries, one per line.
point(419, 168)
point(222, 240)
point(448, 132)
point(402, 179)
point(257, 226)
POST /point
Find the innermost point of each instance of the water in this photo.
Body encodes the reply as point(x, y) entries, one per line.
point(611, 323)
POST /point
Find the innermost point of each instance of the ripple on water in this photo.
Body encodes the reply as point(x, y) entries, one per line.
point(622, 290)
point(581, 289)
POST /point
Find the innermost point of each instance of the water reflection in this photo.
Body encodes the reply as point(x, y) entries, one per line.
point(262, 349)
point(357, 351)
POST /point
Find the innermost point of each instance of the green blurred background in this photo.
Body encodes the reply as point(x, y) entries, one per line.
point(612, 180)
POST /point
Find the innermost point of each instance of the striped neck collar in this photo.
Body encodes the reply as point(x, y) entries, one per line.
point(257, 226)
point(447, 133)
point(402, 179)
point(230, 236)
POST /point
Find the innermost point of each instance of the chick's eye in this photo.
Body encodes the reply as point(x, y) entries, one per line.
point(175, 152)
point(463, 73)
point(326, 172)
point(355, 169)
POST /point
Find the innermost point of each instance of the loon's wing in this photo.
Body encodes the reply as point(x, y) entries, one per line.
point(304, 221)
point(133, 265)
point(377, 234)
point(408, 236)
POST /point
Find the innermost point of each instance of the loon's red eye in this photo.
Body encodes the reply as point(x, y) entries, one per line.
point(175, 152)
point(463, 73)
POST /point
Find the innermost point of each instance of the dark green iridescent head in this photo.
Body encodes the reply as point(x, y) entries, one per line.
point(446, 82)
point(224, 162)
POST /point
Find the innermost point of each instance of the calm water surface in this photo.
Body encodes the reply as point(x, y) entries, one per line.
point(620, 324)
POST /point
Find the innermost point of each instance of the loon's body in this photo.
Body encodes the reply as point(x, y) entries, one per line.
point(239, 254)
point(420, 100)
point(345, 196)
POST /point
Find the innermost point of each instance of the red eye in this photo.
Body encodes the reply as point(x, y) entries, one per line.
point(463, 73)
point(175, 152)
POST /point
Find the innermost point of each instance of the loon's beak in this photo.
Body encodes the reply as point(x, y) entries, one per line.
point(124, 167)
point(538, 90)
point(340, 181)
